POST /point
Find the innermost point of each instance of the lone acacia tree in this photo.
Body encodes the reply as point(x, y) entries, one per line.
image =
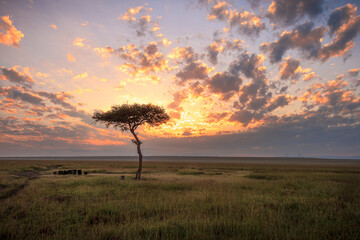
point(128, 117)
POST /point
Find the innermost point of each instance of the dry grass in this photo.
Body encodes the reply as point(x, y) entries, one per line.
point(179, 201)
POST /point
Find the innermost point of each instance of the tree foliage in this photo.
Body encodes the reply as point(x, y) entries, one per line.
point(129, 116)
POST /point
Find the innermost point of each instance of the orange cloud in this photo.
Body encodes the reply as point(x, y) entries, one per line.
point(53, 26)
point(308, 76)
point(85, 90)
point(79, 42)
point(129, 14)
point(9, 35)
point(150, 60)
point(104, 52)
point(245, 22)
point(81, 76)
point(103, 142)
point(71, 58)
point(42, 75)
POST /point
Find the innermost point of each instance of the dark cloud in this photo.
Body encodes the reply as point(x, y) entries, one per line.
point(342, 23)
point(187, 132)
point(58, 98)
point(225, 84)
point(248, 65)
point(179, 96)
point(288, 69)
point(256, 92)
point(303, 37)
point(254, 3)
point(340, 16)
point(18, 93)
point(279, 101)
point(14, 76)
point(143, 25)
point(151, 49)
point(212, 53)
point(354, 72)
point(216, 117)
point(342, 41)
point(242, 116)
point(196, 88)
point(255, 99)
point(289, 11)
point(193, 70)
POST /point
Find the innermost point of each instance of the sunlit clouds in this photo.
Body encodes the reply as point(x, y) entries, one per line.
point(278, 75)
point(9, 35)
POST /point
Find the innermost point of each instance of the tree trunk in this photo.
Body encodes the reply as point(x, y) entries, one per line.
point(137, 142)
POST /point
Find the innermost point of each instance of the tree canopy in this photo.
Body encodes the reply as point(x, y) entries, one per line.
point(130, 116)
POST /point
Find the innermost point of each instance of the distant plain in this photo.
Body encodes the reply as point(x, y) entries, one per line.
point(180, 198)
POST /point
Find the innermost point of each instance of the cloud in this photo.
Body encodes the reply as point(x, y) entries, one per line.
point(81, 76)
point(245, 22)
point(104, 52)
point(193, 70)
point(53, 26)
point(289, 11)
point(140, 62)
point(291, 69)
point(242, 116)
point(217, 116)
point(344, 35)
point(220, 46)
point(308, 76)
point(143, 24)
point(186, 53)
point(342, 23)
point(187, 132)
point(70, 58)
point(19, 93)
point(340, 16)
point(331, 97)
point(303, 37)
point(255, 100)
point(196, 88)
point(254, 3)
point(224, 84)
point(9, 35)
point(179, 96)
point(12, 75)
point(129, 14)
point(249, 65)
point(354, 72)
point(278, 101)
point(58, 98)
point(79, 42)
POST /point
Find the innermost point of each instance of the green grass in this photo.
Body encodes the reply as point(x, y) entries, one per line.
point(178, 201)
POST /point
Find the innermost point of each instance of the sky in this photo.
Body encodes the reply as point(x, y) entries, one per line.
point(238, 78)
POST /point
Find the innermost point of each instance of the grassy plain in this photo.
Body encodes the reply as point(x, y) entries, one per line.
point(178, 200)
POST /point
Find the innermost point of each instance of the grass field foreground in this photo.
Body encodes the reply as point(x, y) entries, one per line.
point(178, 201)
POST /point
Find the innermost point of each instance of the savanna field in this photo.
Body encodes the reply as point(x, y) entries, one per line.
point(178, 200)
